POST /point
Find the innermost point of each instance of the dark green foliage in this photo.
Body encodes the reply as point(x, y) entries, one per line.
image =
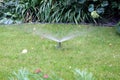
point(59, 11)
point(7, 12)
point(118, 28)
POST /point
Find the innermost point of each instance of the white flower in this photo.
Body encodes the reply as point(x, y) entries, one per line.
point(94, 14)
point(24, 51)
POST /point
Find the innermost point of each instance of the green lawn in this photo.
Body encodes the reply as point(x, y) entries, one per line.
point(97, 50)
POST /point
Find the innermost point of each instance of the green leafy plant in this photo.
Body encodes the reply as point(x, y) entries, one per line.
point(118, 28)
point(83, 75)
point(8, 15)
point(24, 74)
point(58, 11)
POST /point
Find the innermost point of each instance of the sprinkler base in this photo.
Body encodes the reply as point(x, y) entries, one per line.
point(59, 45)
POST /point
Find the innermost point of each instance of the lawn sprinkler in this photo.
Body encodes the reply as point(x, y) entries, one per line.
point(59, 45)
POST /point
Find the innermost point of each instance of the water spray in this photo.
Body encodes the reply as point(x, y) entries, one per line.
point(56, 39)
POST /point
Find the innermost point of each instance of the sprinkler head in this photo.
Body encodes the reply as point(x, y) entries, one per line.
point(59, 45)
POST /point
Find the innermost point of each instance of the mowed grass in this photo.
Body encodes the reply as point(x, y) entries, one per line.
point(98, 51)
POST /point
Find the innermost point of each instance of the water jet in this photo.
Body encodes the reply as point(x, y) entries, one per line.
point(56, 32)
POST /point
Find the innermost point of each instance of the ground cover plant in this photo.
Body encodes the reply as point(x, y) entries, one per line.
point(96, 51)
point(118, 27)
point(24, 74)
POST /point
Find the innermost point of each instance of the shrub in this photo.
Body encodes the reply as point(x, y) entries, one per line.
point(7, 12)
point(118, 28)
point(59, 11)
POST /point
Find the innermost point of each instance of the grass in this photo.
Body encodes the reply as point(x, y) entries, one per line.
point(97, 51)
